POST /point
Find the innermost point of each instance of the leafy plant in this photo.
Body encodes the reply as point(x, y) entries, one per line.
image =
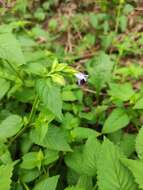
point(71, 106)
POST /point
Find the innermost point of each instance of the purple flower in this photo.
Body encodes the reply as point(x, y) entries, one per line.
point(82, 78)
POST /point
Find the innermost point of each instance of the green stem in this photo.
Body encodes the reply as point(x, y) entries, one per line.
point(16, 72)
point(95, 187)
point(35, 103)
point(32, 113)
point(25, 186)
point(118, 16)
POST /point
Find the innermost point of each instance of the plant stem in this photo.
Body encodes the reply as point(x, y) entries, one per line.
point(16, 72)
point(35, 103)
point(25, 186)
point(95, 187)
point(118, 16)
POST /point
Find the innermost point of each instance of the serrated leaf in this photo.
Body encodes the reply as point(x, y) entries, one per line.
point(49, 183)
point(125, 141)
point(115, 121)
point(127, 144)
point(4, 87)
point(83, 159)
point(139, 104)
point(111, 174)
point(5, 158)
point(139, 143)
point(100, 70)
point(10, 126)
point(50, 95)
point(136, 167)
point(85, 182)
point(122, 92)
point(55, 139)
point(10, 49)
point(5, 176)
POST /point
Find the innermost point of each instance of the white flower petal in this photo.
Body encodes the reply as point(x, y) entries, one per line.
point(81, 77)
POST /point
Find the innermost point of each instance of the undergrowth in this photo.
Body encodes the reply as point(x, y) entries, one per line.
point(71, 95)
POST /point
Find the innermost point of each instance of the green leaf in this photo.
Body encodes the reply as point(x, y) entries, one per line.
point(10, 126)
point(128, 8)
point(68, 95)
point(38, 133)
point(116, 120)
point(25, 144)
point(35, 68)
point(74, 188)
point(5, 176)
point(50, 95)
point(121, 92)
point(139, 104)
point(123, 22)
point(136, 167)
point(25, 95)
point(49, 183)
point(111, 174)
point(127, 144)
point(4, 87)
point(70, 121)
point(85, 182)
point(59, 79)
point(100, 70)
point(21, 6)
point(31, 160)
point(55, 139)
point(125, 141)
point(83, 133)
point(83, 159)
point(10, 49)
point(50, 156)
point(93, 20)
point(29, 175)
point(5, 158)
point(139, 143)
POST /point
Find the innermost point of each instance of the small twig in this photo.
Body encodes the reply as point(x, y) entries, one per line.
point(69, 43)
point(87, 56)
point(91, 91)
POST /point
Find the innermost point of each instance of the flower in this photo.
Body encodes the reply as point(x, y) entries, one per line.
point(82, 78)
